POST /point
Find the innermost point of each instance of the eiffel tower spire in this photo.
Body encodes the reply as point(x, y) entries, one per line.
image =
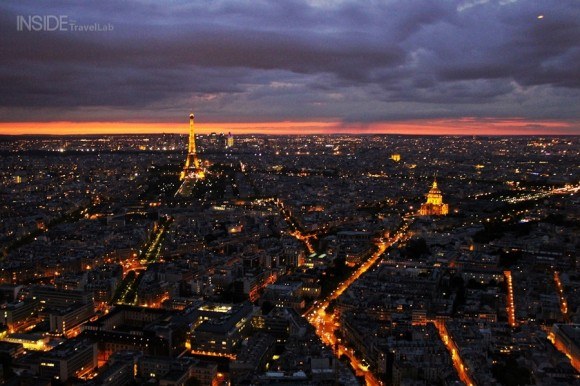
point(192, 169)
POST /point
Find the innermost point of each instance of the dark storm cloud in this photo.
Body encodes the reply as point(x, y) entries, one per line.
point(298, 60)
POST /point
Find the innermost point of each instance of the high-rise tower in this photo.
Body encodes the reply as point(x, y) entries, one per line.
point(192, 168)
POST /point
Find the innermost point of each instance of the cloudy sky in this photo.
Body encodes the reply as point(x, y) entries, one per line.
point(414, 66)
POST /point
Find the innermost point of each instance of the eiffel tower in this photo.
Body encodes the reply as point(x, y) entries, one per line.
point(192, 170)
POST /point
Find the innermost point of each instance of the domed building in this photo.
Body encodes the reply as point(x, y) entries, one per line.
point(434, 205)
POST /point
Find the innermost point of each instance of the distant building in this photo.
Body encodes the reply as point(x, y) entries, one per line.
point(287, 294)
point(51, 297)
point(149, 330)
point(116, 374)
point(10, 291)
point(177, 371)
point(120, 370)
point(316, 260)
point(220, 328)
point(30, 341)
point(15, 350)
point(213, 138)
point(253, 356)
point(74, 358)
point(230, 140)
point(19, 315)
point(64, 320)
point(434, 205)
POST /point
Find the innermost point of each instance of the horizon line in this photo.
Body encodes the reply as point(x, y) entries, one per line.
point(466, 126)
point(292, 134)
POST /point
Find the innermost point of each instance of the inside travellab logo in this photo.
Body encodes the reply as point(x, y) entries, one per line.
point(50, 23)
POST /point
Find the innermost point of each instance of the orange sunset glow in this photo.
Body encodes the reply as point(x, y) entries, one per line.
point(462, 126)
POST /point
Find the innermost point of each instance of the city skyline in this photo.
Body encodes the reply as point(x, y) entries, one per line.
point(374, 256)
point(296, 67)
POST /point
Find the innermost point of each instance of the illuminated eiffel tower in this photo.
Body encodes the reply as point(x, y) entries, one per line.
point(192, 170)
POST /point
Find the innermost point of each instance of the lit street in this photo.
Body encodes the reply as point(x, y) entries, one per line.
point(326, 325)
